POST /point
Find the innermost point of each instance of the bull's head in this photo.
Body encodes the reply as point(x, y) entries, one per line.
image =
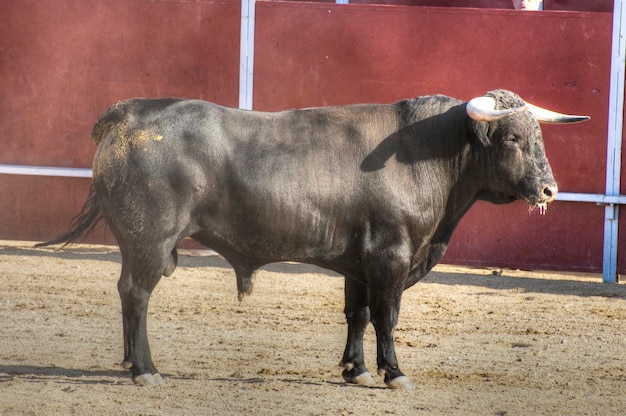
point(518, 167)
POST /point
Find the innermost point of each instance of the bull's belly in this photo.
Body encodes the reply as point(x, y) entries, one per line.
point(270, 247)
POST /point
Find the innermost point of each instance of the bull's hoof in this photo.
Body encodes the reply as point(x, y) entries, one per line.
point(151, 380)
point(401, 383)
point(363, 379)
point(127, 364)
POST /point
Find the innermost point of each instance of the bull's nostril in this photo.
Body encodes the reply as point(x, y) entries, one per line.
point(550, 192)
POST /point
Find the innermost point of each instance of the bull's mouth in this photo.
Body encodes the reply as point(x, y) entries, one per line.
point(541, 204)
point(542, 207)
point(538, 202)
point(541, 201)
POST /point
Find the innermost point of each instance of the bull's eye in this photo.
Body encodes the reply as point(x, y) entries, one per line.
point(510, 138)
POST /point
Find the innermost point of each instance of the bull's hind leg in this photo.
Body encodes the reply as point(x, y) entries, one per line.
point(357, 316)
point(140, 275)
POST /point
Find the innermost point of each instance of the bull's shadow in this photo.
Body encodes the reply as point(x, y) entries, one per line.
point(100, 253)
point(187, 258)
point(422, 140)
point(528, 284)
point(83, 376)
point(114, 377)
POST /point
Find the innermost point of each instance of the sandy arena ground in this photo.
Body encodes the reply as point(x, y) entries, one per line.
point(474, 343)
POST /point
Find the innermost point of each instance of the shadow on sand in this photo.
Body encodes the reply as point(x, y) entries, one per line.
point(193, 258)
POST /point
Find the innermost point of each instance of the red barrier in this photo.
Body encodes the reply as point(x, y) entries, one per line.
point(66, 61)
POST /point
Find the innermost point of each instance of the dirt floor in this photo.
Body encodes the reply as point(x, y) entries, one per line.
point(474, 342)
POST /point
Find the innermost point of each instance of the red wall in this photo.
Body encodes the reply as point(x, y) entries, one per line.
point(62, 62)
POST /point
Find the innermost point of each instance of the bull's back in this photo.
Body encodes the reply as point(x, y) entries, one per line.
point(159, 135)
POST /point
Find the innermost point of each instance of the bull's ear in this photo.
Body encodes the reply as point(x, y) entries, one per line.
point(481, 132)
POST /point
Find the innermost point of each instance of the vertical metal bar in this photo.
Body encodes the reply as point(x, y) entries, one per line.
point(614, 142)
point(609, 261)
point(246, 54)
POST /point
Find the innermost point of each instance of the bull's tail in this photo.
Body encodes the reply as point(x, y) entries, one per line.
point(84, 223)
point(90, 216)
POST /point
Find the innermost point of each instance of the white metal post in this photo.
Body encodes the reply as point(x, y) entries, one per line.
point(246, 54)
point(614, 143)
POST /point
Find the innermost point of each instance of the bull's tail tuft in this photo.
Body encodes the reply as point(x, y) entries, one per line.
point(84, 223)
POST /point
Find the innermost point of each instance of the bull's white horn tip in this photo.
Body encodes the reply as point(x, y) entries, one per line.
point(547, 116)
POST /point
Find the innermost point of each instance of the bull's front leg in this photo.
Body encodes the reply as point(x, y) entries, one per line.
point(384, 309)
point(387, 277)
point(357, 316)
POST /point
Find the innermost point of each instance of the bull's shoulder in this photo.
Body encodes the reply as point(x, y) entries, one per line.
point(349, 112)
point(348, 120)
point(416, 109)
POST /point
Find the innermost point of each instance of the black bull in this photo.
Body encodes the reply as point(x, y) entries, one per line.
point(372, 192)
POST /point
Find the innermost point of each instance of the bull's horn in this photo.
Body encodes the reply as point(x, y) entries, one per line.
point(547, 116)
point(483, 109)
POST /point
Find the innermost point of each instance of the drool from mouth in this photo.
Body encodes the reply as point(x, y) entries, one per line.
point(542, 207)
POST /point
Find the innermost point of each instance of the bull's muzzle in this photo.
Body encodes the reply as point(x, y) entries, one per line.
point(548, 194)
